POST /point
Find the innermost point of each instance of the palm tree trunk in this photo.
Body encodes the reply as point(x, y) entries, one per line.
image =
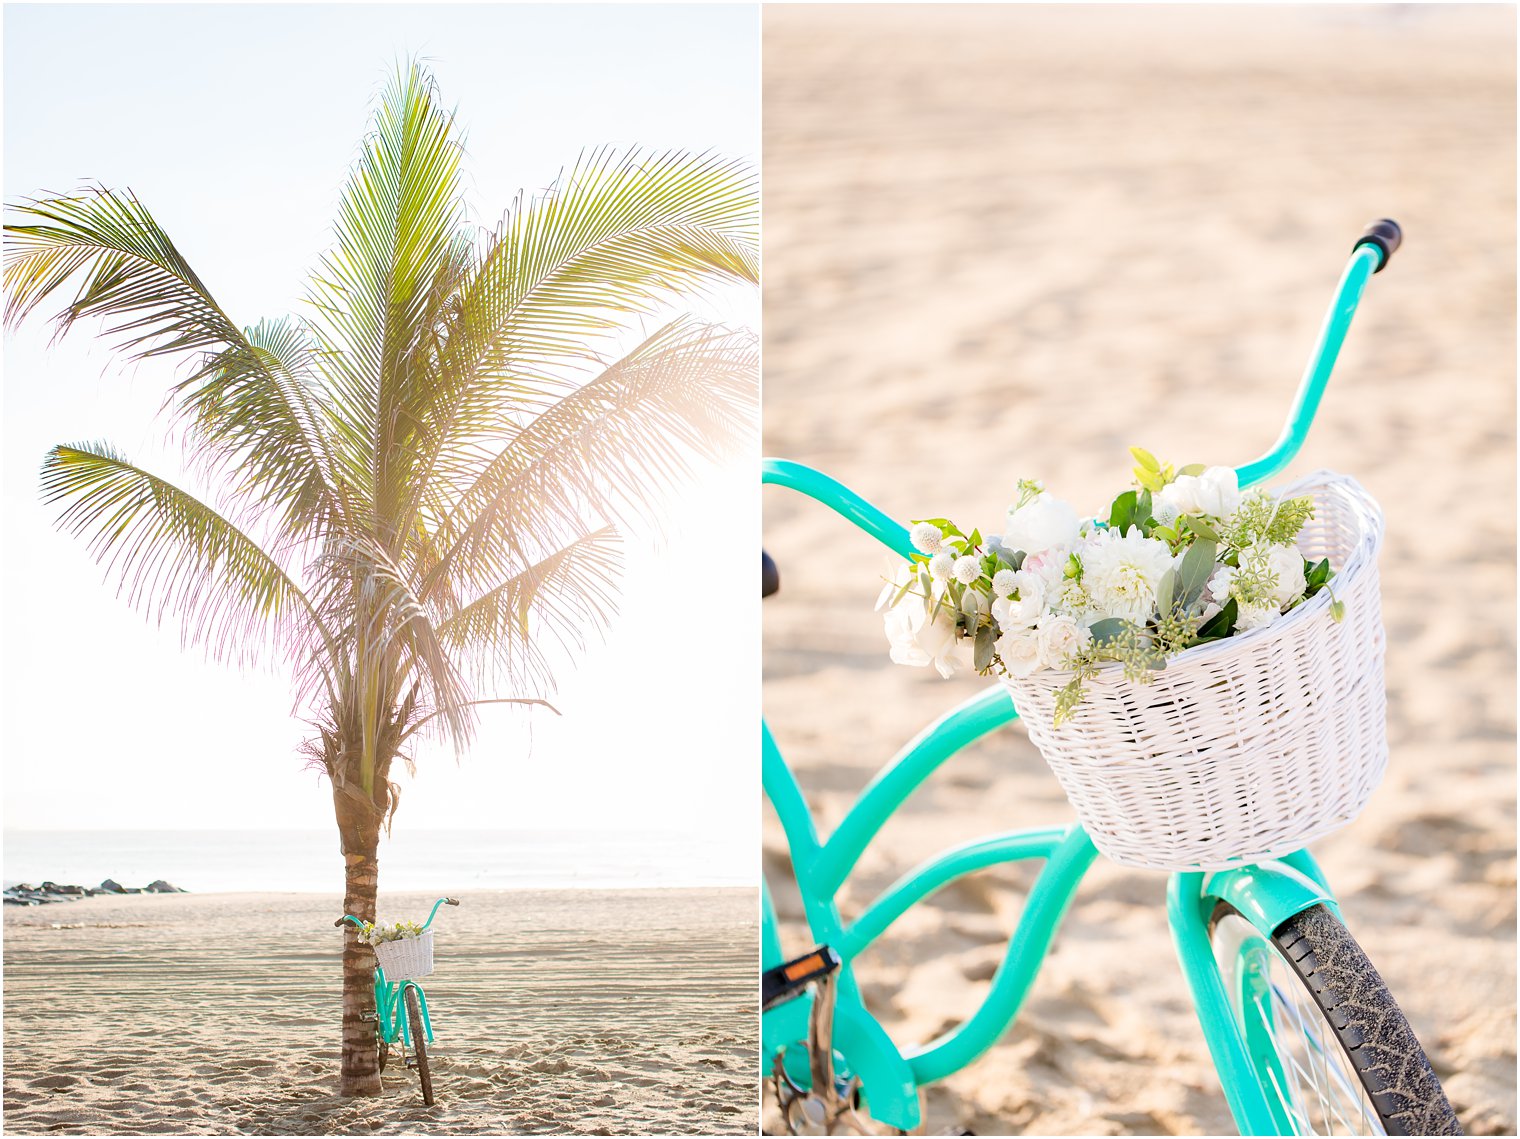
point(360, 835)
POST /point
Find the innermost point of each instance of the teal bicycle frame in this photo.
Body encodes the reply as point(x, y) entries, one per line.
point(1266, 894)
point(390, 1008)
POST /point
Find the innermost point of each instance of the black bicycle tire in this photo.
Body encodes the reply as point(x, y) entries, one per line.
point(1374, 1033)
point(419, 1044)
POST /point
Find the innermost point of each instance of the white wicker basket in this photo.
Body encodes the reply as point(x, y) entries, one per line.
point(407, 958)
point(1244, 749)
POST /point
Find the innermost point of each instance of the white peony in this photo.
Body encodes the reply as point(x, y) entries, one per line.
point(1041, 525)
point(1120, 573)
point(1019, 650)
point(1216, 493)
point(1060, 638)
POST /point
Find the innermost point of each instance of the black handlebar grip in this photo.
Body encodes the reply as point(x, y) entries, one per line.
point(1386, 235)
point(451, 901)
point(339, 923)
point(770, 576)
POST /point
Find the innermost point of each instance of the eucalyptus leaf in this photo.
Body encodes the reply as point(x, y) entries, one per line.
point(1197, 568)
point(982, 648)
point(1194, 469)
point(1108, 629)
point(1166, 590)
point(1201, 528)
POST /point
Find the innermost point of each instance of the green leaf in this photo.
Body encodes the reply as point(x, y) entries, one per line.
point(974, 541)
point(1010, 558)
point(1201, 528)
point(1338, 610)
point(982, 648)
point(1197, 568)
point(945, 526)
point(1146, 459)
point(1150, 480)
point(1122, 514)
point(1166, 589)
point(1108, 629)
point(1219, 625)
point(1194, 469)
point(903, 592)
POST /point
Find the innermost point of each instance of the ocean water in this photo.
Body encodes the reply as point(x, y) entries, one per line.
point(421, 860)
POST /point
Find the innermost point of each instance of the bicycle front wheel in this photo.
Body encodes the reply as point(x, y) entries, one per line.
point(419, 1044)
point(1331, 1049)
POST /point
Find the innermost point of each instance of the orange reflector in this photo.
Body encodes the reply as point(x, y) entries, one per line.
point(804, 967)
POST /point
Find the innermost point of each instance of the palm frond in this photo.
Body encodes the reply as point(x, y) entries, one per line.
point(396, 236)
point(130, 275)
point(611, 449)
point(261, 409)
point(171, 553)
point(391, 638)
point(565, 597)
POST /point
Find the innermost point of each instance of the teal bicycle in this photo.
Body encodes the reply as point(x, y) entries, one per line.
point(1301, 1029)
point(401, 1013)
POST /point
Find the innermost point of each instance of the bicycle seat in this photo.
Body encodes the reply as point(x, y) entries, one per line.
point(770, 577)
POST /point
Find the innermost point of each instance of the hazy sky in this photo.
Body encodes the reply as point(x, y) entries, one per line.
point(236, 125)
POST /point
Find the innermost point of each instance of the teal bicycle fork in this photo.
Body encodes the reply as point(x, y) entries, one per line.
point(390, 1010)
point(1265, 895)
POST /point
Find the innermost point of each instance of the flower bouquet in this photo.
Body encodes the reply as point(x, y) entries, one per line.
point(1201, 668)
point(404, 950)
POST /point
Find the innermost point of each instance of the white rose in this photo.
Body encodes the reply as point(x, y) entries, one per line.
point(1288, 566)
point(1019, 651)
point(1048, 565)
point(1042, 524)
point(1016, 613)
point(1256, 617)
point(1216, 493)
point(1220, 584)
point(920, 638)
point(1060, 638)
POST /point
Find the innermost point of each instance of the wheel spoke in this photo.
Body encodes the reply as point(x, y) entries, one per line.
point(1313, 1079)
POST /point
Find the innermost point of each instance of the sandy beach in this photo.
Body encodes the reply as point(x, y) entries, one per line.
point(1006, 242)
point(578, 1011)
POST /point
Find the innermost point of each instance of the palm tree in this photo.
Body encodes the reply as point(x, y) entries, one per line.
point(419, 483)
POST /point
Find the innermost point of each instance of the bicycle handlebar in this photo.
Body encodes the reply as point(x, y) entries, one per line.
point(1371, 253)
point(1386, 234)
point(359, 924)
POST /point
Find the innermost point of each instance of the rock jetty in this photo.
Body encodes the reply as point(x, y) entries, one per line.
point(24, 894)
